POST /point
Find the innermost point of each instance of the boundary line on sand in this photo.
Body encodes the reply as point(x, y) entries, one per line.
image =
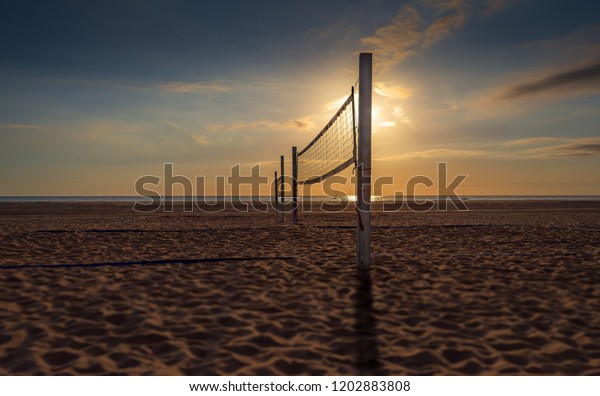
point(148, 262)
point(421, 226)
point(124, 230)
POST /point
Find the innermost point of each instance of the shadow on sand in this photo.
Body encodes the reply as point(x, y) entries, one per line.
point(365, 326)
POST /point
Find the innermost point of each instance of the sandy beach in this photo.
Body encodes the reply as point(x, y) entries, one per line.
point(95, 288)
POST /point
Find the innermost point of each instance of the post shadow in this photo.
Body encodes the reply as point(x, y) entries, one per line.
point(365, 325)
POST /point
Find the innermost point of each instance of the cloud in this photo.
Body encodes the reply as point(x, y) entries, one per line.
point(582, 147)
point(183, 87)
point(443, 27)
point(392, 91)
point(544, 147)
point(491, 6)
point(23, 126)
point(532, 141)
point(263, 125)
point(582, 42)
point(393, 42)
point(302, 124)
point(483, 6)
point(434, 153)
point(336, 104)
point(339, 30)
point(400, 115)
point(201, 140)
point(409, 31)
point(574, 78)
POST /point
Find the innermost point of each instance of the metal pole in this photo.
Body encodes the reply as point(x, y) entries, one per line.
point(294, 185)
point(276, 203)
point(282, 180)
point(363, 182)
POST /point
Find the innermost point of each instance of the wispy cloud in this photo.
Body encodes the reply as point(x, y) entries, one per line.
point(444, 26)
point(420, 26)
point(491, 6)
point(188, 87)
point(434, 153)
point(263, 125)
point(582, 42)
point(587, 77)
point(392, 91)
point(23, 126)
point(400, 115)
point(532, 141)
point(397, 40)
point(336, 104)
point(531, 148)
point(201, 140)
point(582, 147)
point(338, 29)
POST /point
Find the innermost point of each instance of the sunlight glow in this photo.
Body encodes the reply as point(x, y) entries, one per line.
point(400, 115)
point(352, 198)
point(376, 114)
point(392, 91)
point(336, 104)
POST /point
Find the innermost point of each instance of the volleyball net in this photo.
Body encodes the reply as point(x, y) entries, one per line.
point(333, 149)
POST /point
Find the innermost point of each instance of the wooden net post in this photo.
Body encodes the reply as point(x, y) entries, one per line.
point(276, 198)
point(363, 179)
point(281, 191)
point(294, 185)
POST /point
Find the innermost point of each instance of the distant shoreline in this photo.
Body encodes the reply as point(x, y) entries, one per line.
point(175, 199)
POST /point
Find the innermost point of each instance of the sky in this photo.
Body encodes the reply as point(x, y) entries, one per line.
point(95, 94)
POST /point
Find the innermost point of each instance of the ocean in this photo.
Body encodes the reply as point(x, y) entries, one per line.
point(101, 198)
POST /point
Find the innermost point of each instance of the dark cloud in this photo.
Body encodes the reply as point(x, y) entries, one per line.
point(300, 124)
point(577, 148)
point(574, 78)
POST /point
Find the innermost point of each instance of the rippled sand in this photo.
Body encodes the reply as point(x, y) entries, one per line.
point(506, 288)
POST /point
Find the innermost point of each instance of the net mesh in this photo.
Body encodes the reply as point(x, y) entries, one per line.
point(332, 150)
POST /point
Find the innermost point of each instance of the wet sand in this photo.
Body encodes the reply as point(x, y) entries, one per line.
point(506, 288)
